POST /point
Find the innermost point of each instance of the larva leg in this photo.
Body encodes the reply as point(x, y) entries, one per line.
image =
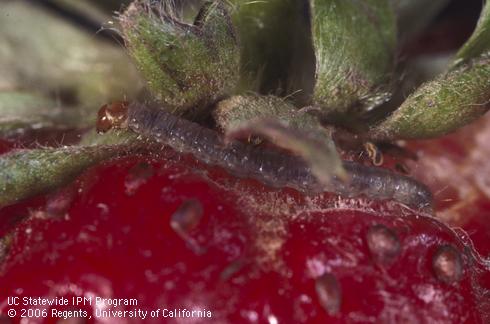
point(271, 167)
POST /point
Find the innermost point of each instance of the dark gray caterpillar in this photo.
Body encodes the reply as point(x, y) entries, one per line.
point(271, 167)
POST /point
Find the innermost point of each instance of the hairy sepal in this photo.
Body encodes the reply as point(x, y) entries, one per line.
point(186, 66)
point(354, 44)
point(441, 106)
point(232, 112)
point(27, 172)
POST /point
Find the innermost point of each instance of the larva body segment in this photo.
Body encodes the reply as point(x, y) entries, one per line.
point(379, 183)
point(271, 167)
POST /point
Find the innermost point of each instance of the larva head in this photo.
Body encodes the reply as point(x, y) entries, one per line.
point(187, 66)
point(113, 115)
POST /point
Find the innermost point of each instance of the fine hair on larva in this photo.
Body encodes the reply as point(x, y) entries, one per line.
point(273, 168)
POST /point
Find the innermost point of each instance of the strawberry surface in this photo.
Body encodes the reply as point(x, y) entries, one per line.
point(456, 169)
point(179, 237)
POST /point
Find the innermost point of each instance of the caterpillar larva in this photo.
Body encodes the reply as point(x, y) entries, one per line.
point(270, 167)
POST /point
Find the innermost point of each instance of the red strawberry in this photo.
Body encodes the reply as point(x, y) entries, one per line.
point(173, 238)
point(457, 170)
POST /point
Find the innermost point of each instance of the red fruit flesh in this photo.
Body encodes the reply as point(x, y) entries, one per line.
point(5, 146)
point(177, 238)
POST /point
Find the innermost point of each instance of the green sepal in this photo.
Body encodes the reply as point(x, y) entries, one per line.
point(441, 106)
point(187, 66)
point(27, 172)
point(354, 43)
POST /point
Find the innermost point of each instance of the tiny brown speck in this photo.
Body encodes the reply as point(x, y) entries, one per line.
point(231, 269)
point(187, 216)
point(185, 219)
point(447, 264)
point(383, 243)
point(329, 293)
